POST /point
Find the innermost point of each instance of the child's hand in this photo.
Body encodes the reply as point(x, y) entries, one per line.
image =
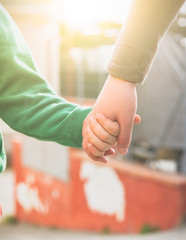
point(100, 136)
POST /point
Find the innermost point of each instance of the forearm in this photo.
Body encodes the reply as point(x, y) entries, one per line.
point(139, 38)
point(29, 105)
point(27, 102)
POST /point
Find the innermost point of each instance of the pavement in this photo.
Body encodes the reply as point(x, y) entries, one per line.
point(25, 231)
point(22, 231)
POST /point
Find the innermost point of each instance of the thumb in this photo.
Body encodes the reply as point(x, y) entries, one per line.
point(124, 137)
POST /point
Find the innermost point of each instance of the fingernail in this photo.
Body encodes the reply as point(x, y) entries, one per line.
point(123, 150)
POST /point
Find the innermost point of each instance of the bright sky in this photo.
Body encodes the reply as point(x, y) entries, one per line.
point(81, 13)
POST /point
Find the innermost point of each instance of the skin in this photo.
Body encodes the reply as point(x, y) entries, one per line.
point(100, 137)
point(118, 109)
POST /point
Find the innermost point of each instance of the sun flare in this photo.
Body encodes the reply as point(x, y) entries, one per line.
point(81, 13)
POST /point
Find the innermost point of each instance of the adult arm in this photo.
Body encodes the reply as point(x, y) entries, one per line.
point(133, 55)
point(138, 41)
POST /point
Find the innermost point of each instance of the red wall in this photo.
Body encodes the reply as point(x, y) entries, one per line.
point(151, 198)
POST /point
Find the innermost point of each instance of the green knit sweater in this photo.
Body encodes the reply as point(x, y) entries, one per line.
point(28, 104)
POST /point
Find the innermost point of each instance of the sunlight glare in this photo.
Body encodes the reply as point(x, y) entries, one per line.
point(81, 13)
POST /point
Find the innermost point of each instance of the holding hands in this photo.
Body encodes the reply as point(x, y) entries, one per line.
point(99, 136)
point(110, 122)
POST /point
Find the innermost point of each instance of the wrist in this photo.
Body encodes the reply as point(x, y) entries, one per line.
point(122, 81)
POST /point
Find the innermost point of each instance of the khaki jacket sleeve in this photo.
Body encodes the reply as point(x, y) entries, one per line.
point(139, 38)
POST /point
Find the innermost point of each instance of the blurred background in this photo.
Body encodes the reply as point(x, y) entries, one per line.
point(72, 43)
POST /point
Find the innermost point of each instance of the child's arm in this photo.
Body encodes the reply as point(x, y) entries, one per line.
point(28, 104)
point(100, 136)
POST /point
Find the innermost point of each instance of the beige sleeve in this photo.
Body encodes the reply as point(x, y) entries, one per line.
point(139, 38)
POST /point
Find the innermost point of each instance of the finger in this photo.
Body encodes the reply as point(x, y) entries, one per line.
point(95, 158)
point(124, 137)
point(110, 126)
point(94, 151)
point(100, 145)
point(100, 132)
point(98, 159)
point(94, 154)
point(137, 119)
point(110, 152)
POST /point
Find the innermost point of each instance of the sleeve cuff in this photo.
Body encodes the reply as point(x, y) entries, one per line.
point(133, 65)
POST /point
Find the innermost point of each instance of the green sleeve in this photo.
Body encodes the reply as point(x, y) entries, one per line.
point(27, 102)
point(139, 38)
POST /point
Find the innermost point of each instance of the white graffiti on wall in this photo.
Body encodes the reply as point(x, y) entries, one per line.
point(29, 199)
point(103, 190)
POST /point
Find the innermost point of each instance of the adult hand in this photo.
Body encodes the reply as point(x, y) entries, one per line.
point(118, 102)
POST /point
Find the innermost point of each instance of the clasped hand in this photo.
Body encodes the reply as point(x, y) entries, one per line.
point(109, 124)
